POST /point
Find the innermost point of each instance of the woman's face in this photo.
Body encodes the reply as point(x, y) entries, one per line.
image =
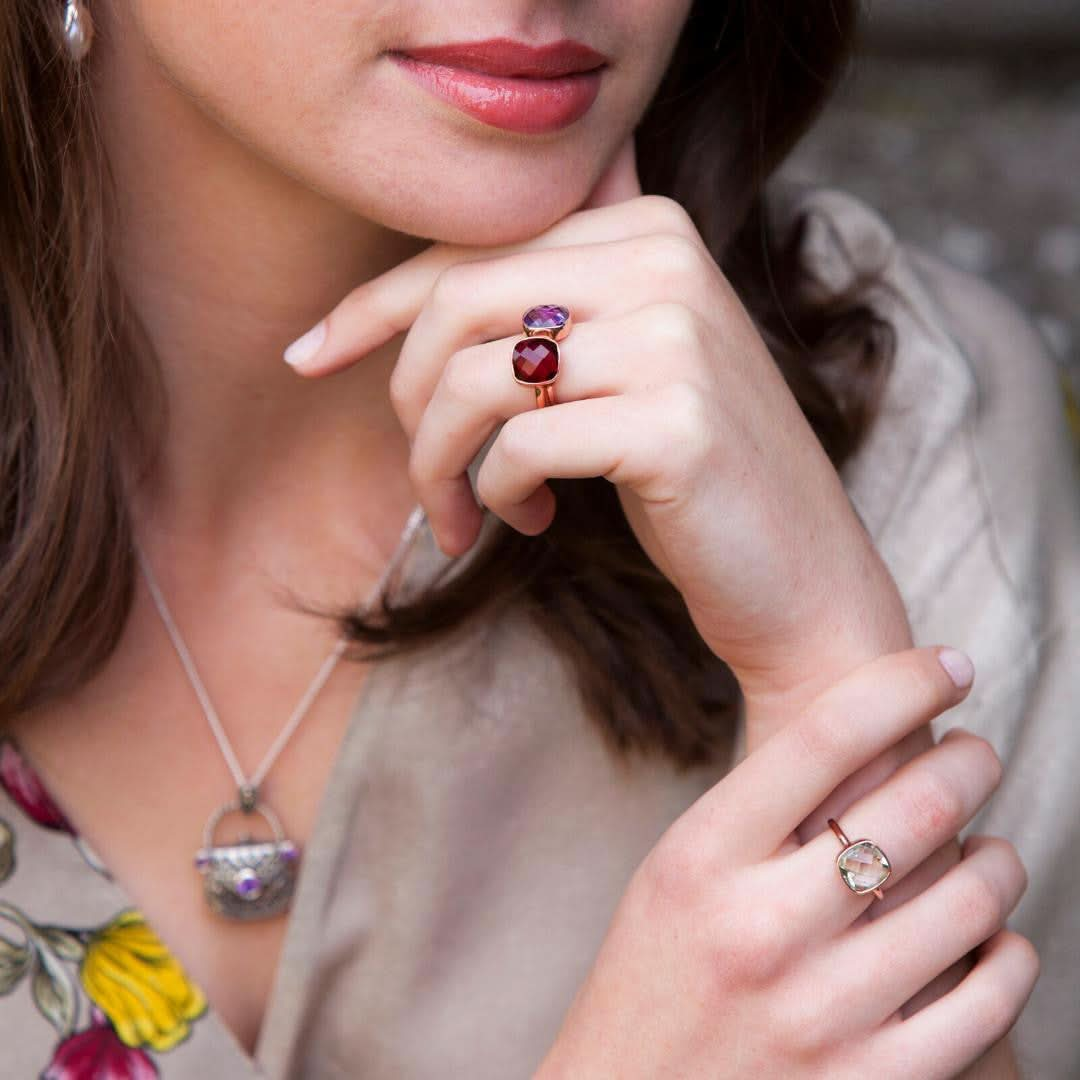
point(312, 87)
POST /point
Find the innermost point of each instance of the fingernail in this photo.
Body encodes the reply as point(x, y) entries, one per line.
point(307, 345)
point(959, 666)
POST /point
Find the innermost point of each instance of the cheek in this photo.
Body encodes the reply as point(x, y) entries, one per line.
point(303, 84)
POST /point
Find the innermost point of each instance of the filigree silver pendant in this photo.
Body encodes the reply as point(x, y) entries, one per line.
point(251, 879)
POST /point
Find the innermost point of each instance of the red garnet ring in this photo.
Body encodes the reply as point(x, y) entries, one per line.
point(536, 356)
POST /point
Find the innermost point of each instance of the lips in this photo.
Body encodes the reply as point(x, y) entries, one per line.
point(504, 56)
point(509, 84)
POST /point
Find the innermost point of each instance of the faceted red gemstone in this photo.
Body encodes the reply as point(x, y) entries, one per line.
point(536, 359)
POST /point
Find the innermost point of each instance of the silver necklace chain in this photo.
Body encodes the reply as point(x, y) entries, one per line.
point(251, 784)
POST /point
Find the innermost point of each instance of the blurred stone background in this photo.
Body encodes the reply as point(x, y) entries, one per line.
point(960, 123)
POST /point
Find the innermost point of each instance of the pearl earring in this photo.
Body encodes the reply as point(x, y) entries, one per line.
point(78, 29)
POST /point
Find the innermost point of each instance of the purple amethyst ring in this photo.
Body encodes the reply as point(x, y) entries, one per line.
point(536, 356)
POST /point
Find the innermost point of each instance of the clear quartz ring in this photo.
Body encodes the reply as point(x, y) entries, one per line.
point(863, 866)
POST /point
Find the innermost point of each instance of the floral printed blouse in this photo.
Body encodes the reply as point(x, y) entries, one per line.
point(108, 1000)
point(476, 832)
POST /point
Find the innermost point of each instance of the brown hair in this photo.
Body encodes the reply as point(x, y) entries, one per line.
point(745, 81)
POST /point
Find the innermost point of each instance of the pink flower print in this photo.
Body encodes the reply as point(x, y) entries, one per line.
point(24, 786)
point(98, 1054)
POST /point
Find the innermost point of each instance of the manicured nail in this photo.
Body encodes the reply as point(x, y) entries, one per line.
point(307, 345)
point(959, 666)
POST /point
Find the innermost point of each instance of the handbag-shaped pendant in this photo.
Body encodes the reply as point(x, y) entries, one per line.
point(249, 879)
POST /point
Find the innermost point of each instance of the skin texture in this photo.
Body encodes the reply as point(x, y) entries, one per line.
point(266, 163)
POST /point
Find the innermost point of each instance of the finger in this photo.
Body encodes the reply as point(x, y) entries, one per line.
point(921, 938)
point(388, 304)
point(483, 301)
point(776, 786)
point(619, 181)
point(921, 806)
point(633, 440)
point(575, 439)
point(477, 391)
point(947, 1035)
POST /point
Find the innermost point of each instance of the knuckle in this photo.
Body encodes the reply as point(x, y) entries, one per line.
point(666, 214)
point(459, 377)
point(514, 442)
point(1027, 957)
point(451, 285)
point(686, 408)
point(983, 758)
point(930, 807)
point(1004, 851)
point(974, 904)
point(673, 257)
point(673, 873)
point(749, 946)
point(741, 941)
point(674, 326)
point(755, 936)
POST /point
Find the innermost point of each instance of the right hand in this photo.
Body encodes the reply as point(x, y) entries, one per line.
point(734, 950)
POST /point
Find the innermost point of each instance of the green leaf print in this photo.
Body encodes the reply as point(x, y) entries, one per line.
point(14, 963)
point(7, 850)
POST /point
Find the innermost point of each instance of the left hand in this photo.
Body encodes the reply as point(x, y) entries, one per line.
point(666, 388)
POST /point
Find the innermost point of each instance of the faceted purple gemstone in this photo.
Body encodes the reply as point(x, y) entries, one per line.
point(551, 317)
point(202, 860)
point(288, 851)
point(248, 884)
point(536, 360)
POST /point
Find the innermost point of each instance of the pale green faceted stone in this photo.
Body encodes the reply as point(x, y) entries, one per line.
point(863, 866)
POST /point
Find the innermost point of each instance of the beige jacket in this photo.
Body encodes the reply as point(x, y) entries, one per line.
point(476, 835)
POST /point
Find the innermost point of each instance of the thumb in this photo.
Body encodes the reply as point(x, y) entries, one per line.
point(619, 181)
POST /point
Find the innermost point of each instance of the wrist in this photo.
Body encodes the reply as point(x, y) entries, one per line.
point(850, 627)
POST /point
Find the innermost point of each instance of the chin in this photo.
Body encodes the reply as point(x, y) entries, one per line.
point(457, 185)
point(485, 214)
point(488, 225)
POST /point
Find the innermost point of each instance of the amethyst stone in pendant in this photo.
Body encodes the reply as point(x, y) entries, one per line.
point(546, 319)
point(248, 884)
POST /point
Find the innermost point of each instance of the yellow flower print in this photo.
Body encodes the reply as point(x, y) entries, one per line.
point(1072, 410)
point(134, 979)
